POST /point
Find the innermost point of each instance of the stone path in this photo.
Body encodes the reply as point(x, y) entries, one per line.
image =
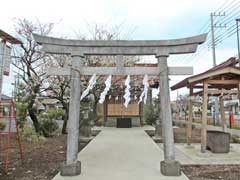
point(193, 155)
point(180, 156)
point(121, 154)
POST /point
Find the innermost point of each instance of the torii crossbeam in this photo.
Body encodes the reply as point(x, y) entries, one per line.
point(80, 48)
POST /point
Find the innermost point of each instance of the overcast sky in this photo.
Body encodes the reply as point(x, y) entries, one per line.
point(141, 19)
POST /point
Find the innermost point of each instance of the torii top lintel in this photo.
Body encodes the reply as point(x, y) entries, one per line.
point(120, 47)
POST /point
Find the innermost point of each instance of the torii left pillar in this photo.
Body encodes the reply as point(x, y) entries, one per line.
point(169, 166)
point(72, 166)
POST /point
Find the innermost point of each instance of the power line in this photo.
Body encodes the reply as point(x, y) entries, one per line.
point(222, 6)
point(229, 31)
point(206, 25)
point(227, 9)
point(228, 19)
point(234, 31)
point(226, 34)
point(226, 6)
point(229, 22)
point(223, 34)
point(200, 50)
point(219, 35)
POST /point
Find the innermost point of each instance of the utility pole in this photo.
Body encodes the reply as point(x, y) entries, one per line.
point(16, 86)
point(14, 90)
point(3, 42)
point(177, 108)
point(237, 20)
point(213, 26)
point(213, 40)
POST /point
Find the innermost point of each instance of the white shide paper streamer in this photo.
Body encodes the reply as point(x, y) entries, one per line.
point(145, 90)
point(91, 84)
point(106, 89)
point(127, 92)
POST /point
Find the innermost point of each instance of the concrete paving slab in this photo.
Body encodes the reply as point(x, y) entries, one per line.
point(121, 154)
point(194, 156)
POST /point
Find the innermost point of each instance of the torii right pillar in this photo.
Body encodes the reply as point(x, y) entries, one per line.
point(169, 166)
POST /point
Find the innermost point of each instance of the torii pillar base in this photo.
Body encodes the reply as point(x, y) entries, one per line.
point(71, 169)
point(170, 168)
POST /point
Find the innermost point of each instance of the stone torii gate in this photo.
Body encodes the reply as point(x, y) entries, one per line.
point(77, 49)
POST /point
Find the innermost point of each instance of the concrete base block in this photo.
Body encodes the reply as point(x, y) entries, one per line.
point(170, 168)
point(205, 155)
point(83, 139)
point(189, 146)
point(71, 169)
point(157, 139)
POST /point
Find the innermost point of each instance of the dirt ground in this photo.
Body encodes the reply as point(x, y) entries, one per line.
point(212, 172)
point(180, 135)
point(204, 172)
point(43, 160)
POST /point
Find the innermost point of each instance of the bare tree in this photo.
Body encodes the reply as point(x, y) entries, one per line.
point(29, 60)
point(59, 86)
point(103, 32)
point(183, 101)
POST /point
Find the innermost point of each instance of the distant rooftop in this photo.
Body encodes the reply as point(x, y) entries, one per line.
point(5, 97)
point(7, 37)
